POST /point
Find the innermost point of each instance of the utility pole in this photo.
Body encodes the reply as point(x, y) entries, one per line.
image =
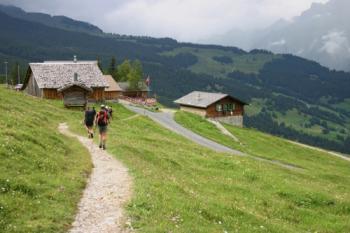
point(7, 85)
point(18, 77)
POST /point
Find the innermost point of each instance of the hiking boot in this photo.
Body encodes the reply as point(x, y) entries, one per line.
point(104, 147)
point(92, 135)
point(100, 146)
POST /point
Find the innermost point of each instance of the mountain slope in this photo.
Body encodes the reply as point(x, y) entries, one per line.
point(60, 22)
point(289, 96)
point(321, 33)
point(42, 173)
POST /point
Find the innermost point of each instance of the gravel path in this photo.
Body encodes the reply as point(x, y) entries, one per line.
point(108, 189)
point(166, 119)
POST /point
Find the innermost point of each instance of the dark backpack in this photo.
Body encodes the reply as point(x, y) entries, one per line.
point(102, 118)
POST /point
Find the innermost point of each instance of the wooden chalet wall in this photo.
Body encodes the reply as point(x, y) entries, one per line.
point(98, 94)
point(238, 108)
point(112, 95)
point(199, 111)
point(133, 94)
point(32, 87)
point(51, 94)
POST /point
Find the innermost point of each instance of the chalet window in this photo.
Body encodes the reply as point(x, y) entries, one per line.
point(225, 107)
point(219, 107)
point(229, 107)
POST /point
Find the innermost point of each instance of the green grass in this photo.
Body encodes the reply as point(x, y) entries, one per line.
point(345, 105)
point(178, 185)
point(42, 173)
point(183, 187)
point(296, 120)
point(257, 143)
point(245, 63)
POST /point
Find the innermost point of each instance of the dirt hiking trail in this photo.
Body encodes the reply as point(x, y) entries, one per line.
point(108, 189)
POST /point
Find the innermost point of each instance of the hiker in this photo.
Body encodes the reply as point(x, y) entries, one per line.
point(102, 120)
point(94, 110)
point(89, 121)
point(110, 111)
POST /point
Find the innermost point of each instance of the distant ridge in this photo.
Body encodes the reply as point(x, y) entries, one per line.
point(61, 22)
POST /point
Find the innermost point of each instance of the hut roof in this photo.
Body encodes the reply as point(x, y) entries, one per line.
point(125, 86)
point(56, 74)
point(76, 84)
point(203, 99)
point(113, 85)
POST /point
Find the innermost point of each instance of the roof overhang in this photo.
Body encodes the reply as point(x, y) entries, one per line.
point(80, 85)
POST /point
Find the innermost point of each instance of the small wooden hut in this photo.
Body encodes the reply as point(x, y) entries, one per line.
point(75, 94)
point(140, 92)
point(113, 91)
point(218, 106)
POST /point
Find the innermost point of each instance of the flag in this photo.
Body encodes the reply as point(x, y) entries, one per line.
point(148, 81)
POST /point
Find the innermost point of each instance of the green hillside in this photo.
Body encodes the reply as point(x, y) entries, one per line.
point(220, 63)
point(42, 173)
point(179, 186)
point(183, 187)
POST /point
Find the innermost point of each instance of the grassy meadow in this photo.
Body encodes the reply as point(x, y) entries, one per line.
point(245, 63)
point(42, 173)
point(179, 186)
point(183, 187)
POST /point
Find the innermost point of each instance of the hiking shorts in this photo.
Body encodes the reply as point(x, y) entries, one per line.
point(89, 124)
point(102, 129)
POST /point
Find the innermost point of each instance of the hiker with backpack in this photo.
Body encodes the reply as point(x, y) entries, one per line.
point(102, 121)
point(89, 121)
point(110, 112)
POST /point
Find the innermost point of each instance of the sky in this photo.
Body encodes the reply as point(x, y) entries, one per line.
point(184, 20)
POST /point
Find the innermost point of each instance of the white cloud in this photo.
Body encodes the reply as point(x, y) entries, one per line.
point(182, 19)
point(279, 43)
point(335, 42)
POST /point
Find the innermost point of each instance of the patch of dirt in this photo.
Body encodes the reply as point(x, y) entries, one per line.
point(109, 188)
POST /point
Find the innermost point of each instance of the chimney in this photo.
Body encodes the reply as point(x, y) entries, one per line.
point(75, 77)
point(75, 59)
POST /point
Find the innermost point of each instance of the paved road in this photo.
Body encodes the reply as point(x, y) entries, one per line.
point(166, 119)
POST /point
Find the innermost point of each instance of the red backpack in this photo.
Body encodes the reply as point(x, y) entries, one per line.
point(102, 118)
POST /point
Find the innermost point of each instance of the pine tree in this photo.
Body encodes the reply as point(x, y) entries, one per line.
point(133, 80)
point(99, 64)
point(134, 77)
point(137, 66)
point(123, 70)
point(112, 68)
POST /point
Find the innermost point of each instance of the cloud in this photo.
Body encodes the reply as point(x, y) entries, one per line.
point(279, 43)
point(187, 20)
point(335, 42)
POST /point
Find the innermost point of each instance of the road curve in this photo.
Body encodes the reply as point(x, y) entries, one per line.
point(166, 119)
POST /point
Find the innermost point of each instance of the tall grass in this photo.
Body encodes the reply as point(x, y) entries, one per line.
point(42, 173)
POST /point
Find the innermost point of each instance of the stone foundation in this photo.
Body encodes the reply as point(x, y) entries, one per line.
point(231, 120)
